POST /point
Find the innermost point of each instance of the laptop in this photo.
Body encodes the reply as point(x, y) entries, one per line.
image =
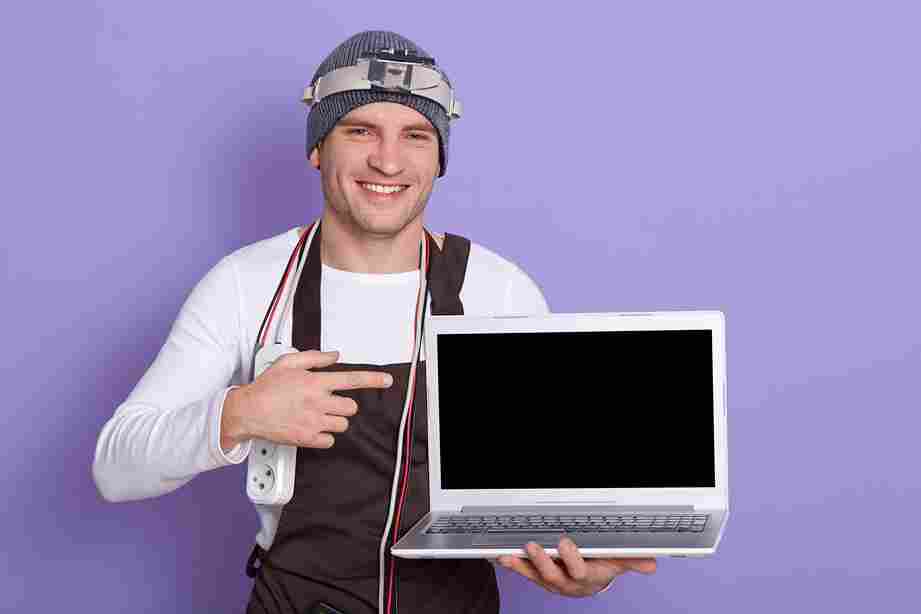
point(608, 428)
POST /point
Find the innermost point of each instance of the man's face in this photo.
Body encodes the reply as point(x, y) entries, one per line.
point(378, 165)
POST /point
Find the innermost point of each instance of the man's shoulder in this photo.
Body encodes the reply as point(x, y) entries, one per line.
point(265, 254)
point(497, 285)
point(485, 261)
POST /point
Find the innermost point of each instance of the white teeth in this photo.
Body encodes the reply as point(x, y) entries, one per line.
point(383, 189)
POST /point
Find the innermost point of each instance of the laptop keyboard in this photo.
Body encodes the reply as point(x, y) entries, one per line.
point(623, 523)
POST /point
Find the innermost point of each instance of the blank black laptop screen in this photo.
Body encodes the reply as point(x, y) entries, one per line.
point(614, 409)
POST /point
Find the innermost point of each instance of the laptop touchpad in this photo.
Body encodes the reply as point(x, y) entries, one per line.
point(518, 540)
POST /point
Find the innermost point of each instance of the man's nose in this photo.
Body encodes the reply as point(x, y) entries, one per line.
point(386, 157)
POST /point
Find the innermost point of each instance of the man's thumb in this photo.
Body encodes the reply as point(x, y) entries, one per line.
point(311, 359)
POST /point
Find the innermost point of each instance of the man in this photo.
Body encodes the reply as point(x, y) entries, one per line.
point(197, 407)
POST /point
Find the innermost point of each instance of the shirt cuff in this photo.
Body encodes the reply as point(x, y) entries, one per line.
point(238, 453)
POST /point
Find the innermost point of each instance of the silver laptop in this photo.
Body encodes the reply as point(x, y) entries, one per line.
point(609, 428)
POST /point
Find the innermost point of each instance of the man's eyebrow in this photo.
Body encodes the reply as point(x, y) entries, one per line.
point(356, 122)
point(421, 127)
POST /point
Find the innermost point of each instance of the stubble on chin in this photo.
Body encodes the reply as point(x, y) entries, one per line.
point(360, 218)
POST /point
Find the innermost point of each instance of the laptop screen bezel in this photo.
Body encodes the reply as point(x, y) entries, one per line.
point(710, 498)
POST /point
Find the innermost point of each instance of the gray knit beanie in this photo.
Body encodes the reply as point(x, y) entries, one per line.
point(324, 114)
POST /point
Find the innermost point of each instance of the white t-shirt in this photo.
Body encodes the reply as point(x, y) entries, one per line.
point(168, 429)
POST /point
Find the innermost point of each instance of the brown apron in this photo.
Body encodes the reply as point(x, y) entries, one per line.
point(328, 540)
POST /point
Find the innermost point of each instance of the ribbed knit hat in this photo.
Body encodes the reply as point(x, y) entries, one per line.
point(324, 114)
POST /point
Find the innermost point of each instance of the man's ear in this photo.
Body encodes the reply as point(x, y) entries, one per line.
point(315, 157)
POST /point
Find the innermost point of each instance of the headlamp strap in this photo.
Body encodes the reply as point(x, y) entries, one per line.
point(388, 70)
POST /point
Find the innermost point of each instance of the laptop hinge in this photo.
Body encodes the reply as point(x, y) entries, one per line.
point(572, 509)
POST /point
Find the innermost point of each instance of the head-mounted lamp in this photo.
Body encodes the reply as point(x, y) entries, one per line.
point(389, 70)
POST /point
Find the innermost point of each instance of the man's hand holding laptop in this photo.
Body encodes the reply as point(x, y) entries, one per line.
point(572, 575)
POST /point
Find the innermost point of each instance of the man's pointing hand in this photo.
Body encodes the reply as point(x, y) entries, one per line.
point(289, 404)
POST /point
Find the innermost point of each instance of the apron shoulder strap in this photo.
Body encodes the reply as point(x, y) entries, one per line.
point(446, 274)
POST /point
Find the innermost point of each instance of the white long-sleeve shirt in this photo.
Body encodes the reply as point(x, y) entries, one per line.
point(168, 429)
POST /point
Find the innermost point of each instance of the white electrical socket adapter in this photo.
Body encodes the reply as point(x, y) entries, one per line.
point(270, 468)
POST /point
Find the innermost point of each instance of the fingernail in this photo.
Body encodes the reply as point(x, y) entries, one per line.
point(388, 380)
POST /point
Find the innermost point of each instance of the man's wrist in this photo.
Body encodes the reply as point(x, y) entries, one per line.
point(232, 431)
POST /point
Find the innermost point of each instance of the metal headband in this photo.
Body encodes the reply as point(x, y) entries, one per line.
point(388, 70)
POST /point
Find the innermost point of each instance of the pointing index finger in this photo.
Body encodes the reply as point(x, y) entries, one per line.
point(352, 380)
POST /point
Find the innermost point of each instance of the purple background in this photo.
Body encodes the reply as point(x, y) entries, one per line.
point(759, 158)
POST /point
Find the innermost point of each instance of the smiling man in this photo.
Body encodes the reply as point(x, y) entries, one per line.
point(378, 132)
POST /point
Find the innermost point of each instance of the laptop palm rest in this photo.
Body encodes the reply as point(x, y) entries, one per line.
point(516, 540)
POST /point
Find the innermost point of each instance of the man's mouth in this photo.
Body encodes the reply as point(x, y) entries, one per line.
point(380, 188)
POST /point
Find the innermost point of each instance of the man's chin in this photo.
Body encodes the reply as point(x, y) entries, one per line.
point(376, 221)
point(381, 227)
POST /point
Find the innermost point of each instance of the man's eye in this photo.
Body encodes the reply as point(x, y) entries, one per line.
point(418, 136)
point(358, 131)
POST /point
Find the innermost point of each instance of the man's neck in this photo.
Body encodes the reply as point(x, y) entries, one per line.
point(343, 248)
